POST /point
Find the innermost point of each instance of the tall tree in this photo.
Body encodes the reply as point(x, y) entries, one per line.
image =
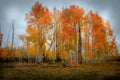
point(38, 19)
point(73, 16)
point(67, 36)
point(98, 36)
point(111, 46)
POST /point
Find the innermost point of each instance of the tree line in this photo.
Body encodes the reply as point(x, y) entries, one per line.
point(67, 36)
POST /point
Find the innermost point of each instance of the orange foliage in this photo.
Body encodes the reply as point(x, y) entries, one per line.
point(68, 33)
point(70, 15)
point(97, 34)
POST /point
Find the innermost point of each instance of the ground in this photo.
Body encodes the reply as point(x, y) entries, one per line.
point(57, 71)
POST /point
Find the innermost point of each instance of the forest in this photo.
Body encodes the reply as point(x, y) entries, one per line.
point(66, 44)
point(69, 36)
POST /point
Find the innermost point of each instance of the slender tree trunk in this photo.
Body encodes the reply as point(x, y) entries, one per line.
point(78, 42)
point(12, 44)
point(40, 36)
point(40, 53)
point(79, 46)
point(55, 33)
point(63, 51)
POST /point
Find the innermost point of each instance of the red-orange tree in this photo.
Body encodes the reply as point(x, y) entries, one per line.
point(73, 16)
point(98, 38)
point(67, 37)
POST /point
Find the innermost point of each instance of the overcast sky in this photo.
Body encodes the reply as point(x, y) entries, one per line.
point(16, 9)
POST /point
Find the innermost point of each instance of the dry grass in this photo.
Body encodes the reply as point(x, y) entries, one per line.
point(45, 71)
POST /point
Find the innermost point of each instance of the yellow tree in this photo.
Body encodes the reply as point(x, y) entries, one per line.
point(38, 19)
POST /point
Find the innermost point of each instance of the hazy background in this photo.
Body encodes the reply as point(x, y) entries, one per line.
point(15, 10)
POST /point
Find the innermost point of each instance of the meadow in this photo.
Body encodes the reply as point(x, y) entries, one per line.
point(59, 71)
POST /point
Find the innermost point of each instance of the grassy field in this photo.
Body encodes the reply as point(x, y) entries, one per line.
point(45, 71)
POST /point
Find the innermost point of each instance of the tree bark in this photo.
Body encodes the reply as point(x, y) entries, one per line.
point(79, 46)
